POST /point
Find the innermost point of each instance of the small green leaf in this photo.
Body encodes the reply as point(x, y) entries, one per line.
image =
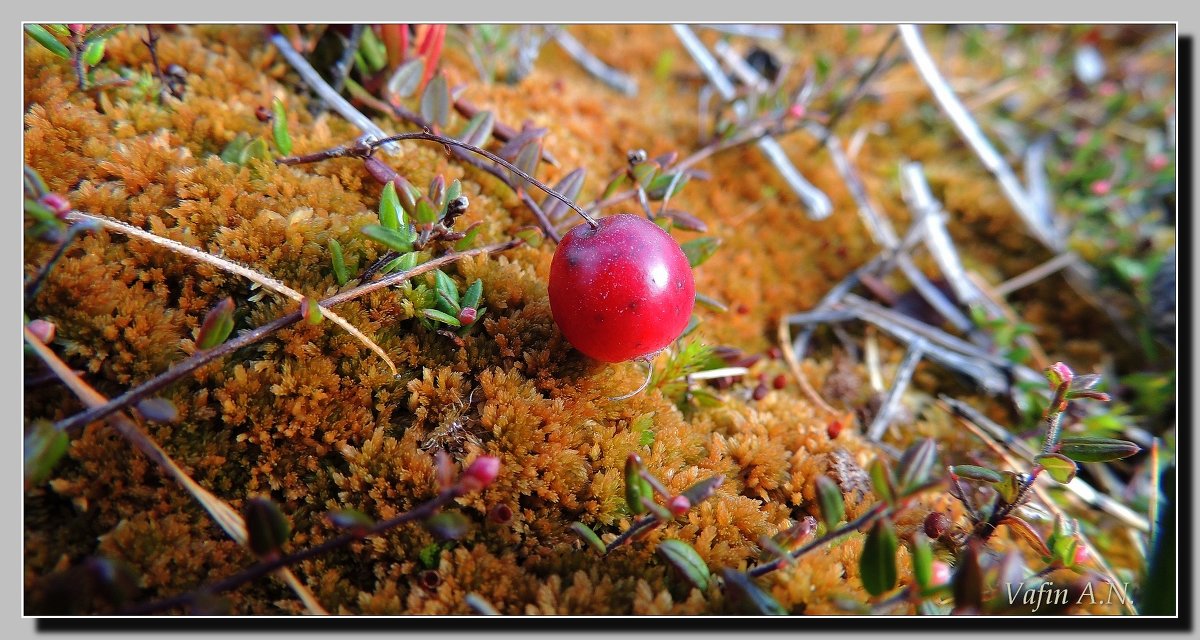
point(922, 561)
point(438, 316)
point(44, 447)
point(94, 53)
point(479, 129)
point(267, 529)
point(588, 536)
point(569, 187)
point(390, 213)
point(373, 50)
point(644, 173)
point(426, 213)
point(700, 249)
point(339, 262)
point(217, 325)
point(883, 481)
point(232, 153)
point(390, 238)
point(310, 310)
point(437, 192)
point(350, 519)
point(531, 235)
point(468, 240)
point(762, 601)
point(657, 189)
point(1096, 448)
point(527, 160)
point(1008, 486)
point(279, 128)
point(1060, 467)
point(470, 297)
point(40, 212)
point(972, 472)
point(44, 38)
point(643, 425)
point(407, 78)
point(833, 508)
point(158, 410)
point(614, 185)
point(915, 465)
point(636, 487)
point(877, 565)
point(447, 293)
point(711, 303)
point(255, 150)
point(435, 102)
point(448, 525)
point(683, 557)
point(402, 263)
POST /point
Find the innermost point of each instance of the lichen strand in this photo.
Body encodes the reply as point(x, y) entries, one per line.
point(314, 420)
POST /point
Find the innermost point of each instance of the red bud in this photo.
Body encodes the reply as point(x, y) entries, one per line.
point(679, 505)
point(43, 330)
point(480, 474)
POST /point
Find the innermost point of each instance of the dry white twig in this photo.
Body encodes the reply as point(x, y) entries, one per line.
point(232, 267)
point(904, 373)
point(618, 80)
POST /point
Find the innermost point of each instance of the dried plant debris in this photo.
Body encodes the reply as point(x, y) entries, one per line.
point(899, 237)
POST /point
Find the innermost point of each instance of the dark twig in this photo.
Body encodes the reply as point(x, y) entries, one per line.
point(151, 43)
point(446, 496)
point(31, 290)
point(341, 68)
point(365, 148)
point(629, 533)
point(199, 359)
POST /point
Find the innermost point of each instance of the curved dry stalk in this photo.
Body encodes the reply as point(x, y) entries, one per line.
point(229, 519)
point(264, 281)
point(785, 345)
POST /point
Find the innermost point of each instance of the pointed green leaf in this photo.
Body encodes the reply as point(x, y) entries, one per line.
point(47, 40)
point(447, 293)
point(426, 213)
point(401, 263)
point(279, 128)
point(256, 149)
point(922, 561)
point(232, 153)
point(390, 238)
point(1060, 467)
point(877, 565)
point(882, 481)
point(762, 601)
point(711, 303)
point(94, 53)
point(40, 212)
point(407, 78)
point(453, 191)
point(437, 192)
point(657, 189)
point(1008, 486)
point(531, 235)
point(644, 173)
point(310, 310)
point(527, 160)
point(217, 325)
point(588, 536)
point(1096, 448)
point(390, 213)
point(468, 240)
point(339, 262)
point(470, 298)
point(479, 129)
point(435, 102)
point(614, 185)
point(833, 508)
point(569, 187)
point(700, 249)
point(448, 525)
point(683, 557)
point(267, 529)
point(915, 465)
point(373, 51)
point(434, 314)
point(44, 447)
point(636, 487)
point(972, 472)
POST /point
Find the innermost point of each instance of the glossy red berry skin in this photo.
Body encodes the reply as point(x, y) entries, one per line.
point(621, 290)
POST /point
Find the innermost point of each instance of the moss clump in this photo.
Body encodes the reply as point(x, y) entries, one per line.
point(314, 420)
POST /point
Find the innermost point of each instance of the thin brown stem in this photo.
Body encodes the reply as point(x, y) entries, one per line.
point(202, 358)
point(151, 43)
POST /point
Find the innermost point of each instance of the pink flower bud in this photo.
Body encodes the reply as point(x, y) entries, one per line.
point(1081, 554)
point(57, 203)
point(480, 474)
point(1059, 374)
point(76, 27)
point(1158, 162)
point(796, 111)
point(679, 505)
point(467, 316)
point(1107, 89)
point(940, 573)
point(1101, 187)
point(43, 330)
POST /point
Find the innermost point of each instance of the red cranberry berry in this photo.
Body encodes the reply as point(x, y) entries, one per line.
point(621, 290)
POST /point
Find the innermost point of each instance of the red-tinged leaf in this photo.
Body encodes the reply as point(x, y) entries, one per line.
point(686, 221)
point(915, 465)
point(217, 325)
point(407, 78)
point(1096, 448)
point(972, 472)
point(1026, 532)
point(882, 481)
point(310, 310)
point(760, 600)
point(527, 161)
point(877, 565)
point(479, 130)
point(703, 489)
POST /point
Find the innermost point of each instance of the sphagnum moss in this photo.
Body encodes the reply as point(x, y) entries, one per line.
point(312, 419)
